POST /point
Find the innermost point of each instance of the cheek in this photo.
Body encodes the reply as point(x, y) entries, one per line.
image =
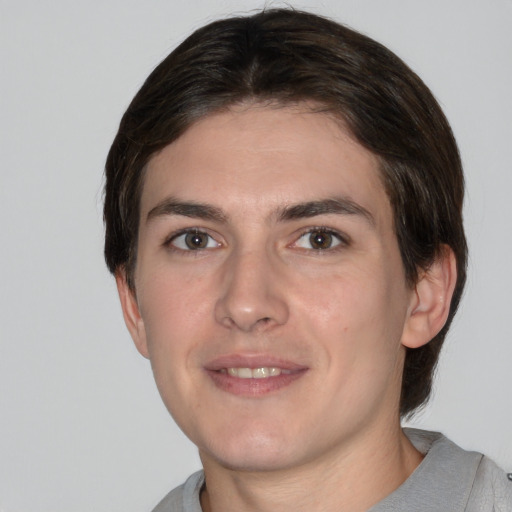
point(175, 321)
point(352, 300)
point(358, 317)
point(170, 301)
point(175, 313)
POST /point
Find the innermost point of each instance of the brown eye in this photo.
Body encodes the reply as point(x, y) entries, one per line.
point(193, 241)
point(196, 240)
point(320, 240)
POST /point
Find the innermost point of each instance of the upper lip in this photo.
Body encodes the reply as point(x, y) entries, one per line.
point(252, 361)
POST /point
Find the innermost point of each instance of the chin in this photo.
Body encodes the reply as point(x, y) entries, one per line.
point(251, 452)
point(254, 462)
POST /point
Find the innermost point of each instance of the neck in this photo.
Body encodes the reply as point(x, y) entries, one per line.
point(341, 481)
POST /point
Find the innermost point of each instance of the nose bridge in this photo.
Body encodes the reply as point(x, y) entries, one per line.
point(251, 297)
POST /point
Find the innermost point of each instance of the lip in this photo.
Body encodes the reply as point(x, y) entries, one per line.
point(253, 387)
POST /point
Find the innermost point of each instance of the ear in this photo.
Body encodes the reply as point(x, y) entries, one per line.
point(131, 313)
point(431, 299)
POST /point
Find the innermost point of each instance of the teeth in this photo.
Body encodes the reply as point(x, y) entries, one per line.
point(260, 373)
point(255, 373)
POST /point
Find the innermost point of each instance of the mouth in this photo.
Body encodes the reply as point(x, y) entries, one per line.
point(264, 372)
point(253, 376)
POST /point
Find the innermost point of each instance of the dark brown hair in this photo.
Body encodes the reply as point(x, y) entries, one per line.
point(283, 56)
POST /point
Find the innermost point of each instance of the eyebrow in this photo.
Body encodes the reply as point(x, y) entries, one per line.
point(338, 206)
point(171, 206)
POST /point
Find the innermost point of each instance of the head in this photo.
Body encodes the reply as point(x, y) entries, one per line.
point(285, 58)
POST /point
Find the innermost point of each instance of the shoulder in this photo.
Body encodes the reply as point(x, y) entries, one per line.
point(450, 478)
point(184, 498)
point(481, 485)
point(492, 488)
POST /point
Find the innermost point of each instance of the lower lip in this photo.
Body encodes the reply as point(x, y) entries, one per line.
point(253, 387)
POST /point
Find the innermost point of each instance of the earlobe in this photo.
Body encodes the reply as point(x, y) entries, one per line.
point(131, 313)
point(430, 303)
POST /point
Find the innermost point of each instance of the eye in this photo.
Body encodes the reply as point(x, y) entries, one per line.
point(193, 241)
point(320, 239)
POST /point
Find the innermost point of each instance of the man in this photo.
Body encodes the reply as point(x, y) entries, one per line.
point(283, 219)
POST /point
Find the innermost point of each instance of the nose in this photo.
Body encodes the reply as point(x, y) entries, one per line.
point(253, 295)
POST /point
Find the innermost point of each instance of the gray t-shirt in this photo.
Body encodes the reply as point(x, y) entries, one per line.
point(449, 479)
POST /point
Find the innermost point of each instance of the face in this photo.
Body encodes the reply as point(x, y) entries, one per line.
point(270, 292)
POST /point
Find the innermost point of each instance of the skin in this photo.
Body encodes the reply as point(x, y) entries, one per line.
point(341, 314)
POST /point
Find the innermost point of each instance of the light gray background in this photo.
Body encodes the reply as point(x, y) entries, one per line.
point(81, 425)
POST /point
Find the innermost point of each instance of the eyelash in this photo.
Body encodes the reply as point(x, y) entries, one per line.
point(189, 231)
point(342, 240)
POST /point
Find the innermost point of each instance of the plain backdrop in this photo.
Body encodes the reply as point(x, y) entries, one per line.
point(82, 427)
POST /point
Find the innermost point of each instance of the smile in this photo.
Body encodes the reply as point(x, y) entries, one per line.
point(255, 373)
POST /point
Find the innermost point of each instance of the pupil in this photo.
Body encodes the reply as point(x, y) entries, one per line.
point(195, 240)
point(321, 240)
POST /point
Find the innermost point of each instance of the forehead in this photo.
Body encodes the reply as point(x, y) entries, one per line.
point(259, 158)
